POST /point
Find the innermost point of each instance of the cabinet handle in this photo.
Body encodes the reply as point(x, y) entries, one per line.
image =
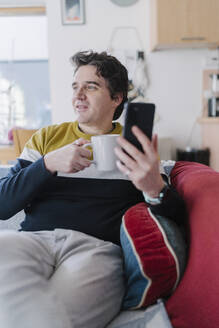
point(195, 38)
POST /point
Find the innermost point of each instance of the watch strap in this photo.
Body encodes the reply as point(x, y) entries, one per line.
point(156, 200)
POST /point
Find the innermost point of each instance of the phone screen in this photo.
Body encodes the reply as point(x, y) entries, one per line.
point(142, 115)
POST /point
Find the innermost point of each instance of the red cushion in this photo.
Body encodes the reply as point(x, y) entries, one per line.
point(194, 303)
point(154, 256)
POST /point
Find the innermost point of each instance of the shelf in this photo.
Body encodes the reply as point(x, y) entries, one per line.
point(206, 93)
point(209, 120)
point(209, 94)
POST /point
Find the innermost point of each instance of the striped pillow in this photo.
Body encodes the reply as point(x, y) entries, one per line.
point(154, 256)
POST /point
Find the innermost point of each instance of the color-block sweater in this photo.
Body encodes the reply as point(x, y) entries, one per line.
point(89, 201)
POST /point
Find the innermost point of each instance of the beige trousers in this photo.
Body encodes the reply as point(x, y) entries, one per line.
point(58, 279)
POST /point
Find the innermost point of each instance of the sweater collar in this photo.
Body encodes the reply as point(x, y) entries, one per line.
point(117, 130)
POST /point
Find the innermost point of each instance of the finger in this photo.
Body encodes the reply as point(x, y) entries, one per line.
point(149, 147)
point(139, 159)
point(84, 152)
point(80, 151)
point(155, 142)
point(76, 142)
point(80, 142)
point(124, 158)
point(142, 138)
point(77, 166)
point(123, 168)
point(74, 171)
point(83, 161)
point(128, 147)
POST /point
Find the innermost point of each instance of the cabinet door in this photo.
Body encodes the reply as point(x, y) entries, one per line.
point(202, 21)
point(210, 14)
point(184, 23)
point(169, 22)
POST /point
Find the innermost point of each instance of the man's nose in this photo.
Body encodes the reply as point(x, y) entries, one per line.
point(80, 94)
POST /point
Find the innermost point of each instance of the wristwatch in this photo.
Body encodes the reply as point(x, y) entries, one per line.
point(157, 200)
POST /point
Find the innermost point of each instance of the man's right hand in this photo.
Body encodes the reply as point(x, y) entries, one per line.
point(68, 159)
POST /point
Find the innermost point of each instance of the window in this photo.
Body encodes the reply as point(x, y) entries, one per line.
point(12, 109)
point(24, 74)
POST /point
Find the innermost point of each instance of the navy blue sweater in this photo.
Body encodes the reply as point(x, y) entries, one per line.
point(88, 201)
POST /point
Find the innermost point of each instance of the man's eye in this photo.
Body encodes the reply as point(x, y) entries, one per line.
point(91, 87)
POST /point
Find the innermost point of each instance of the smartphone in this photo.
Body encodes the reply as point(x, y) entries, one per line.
point(142, 115)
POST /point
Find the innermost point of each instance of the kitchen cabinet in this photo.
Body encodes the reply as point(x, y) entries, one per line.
point(184, 23)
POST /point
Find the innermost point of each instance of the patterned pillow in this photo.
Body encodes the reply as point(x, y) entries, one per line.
point(154, 256)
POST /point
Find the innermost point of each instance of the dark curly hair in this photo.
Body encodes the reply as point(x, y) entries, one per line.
point(110, 69)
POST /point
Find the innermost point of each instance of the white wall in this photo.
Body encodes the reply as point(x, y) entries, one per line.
point(176, 75)
point(22, 3)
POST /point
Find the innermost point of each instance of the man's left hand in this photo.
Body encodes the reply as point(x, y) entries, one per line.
point(141, 167)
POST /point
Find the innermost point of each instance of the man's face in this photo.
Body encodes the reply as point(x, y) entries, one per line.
point(91, 100)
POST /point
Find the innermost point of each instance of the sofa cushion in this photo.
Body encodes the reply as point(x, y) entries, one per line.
point(195, 302)
point(155, 316)
point(14, 222)
point(154, 256)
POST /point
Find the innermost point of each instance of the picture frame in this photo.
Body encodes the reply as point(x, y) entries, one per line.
point(72, 12)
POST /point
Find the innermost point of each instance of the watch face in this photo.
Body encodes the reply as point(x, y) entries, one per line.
point(124, 3)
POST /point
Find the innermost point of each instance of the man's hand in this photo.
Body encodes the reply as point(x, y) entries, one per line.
point(142, 168)
point(68, 159)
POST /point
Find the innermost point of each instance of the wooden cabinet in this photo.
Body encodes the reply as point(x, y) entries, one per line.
point(184, 23)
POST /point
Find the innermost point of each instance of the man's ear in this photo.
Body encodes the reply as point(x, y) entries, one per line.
point(118, 103)
point(118, 99)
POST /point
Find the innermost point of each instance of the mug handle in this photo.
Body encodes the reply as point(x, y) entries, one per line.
point(87, 145)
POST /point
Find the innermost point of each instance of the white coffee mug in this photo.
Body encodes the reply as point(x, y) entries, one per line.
point(103, 151)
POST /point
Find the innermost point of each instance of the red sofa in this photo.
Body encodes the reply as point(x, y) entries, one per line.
point(195, 302)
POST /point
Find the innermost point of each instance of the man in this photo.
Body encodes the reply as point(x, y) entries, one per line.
point(64, 269)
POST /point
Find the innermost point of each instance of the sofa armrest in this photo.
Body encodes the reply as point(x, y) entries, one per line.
point(195, 301)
